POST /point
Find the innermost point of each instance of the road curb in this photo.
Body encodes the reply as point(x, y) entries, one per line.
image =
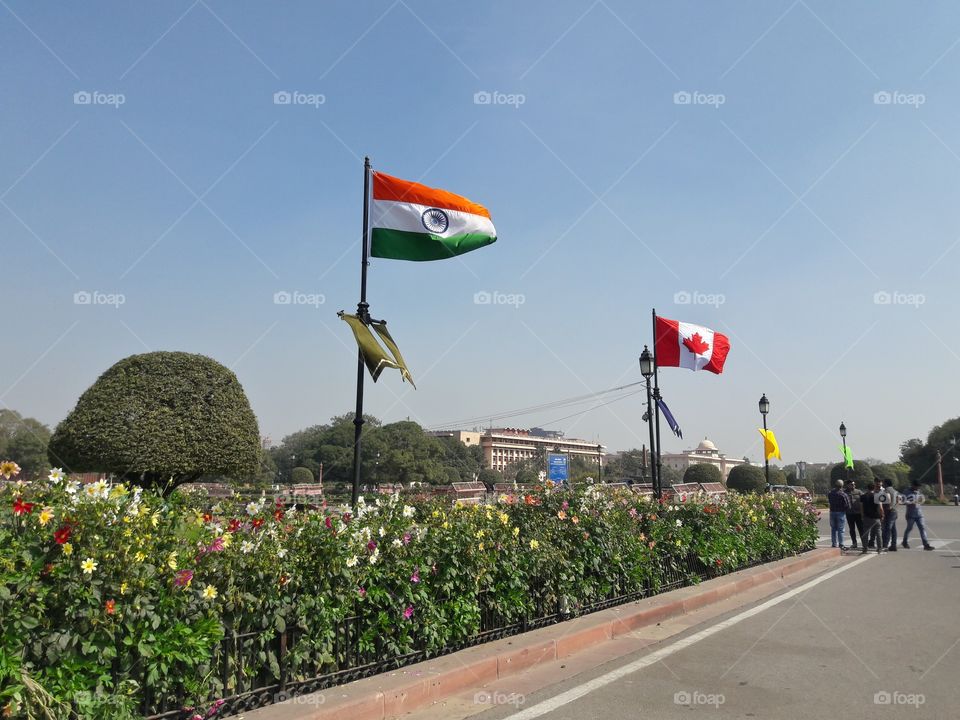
point(390, 695)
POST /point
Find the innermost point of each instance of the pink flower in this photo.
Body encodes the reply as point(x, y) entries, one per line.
point(183, 578)
point(362, 592)
point(415, 578)
point(216, 545)
point(328, 523)
point(565, 505)
point(633, 512)
point(408, 613)
point(371, 546)
point(406, 538)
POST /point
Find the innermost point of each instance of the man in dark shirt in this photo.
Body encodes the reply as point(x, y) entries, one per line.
point(854, 514)
point(839, 505)
point(872, 517)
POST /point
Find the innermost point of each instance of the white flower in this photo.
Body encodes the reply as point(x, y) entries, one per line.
point(382, 531)
point(679, 523)
point(360, 500)
point(252, 509)
point(56, 475)
point(72, 487)
point(374, 557)
point(291, 511)
point(246, 547)
point(352, 562)
point(408, 512)
point(396, 542)
point(282, 553)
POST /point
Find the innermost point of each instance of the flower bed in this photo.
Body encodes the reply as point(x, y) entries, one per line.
point(117, 603)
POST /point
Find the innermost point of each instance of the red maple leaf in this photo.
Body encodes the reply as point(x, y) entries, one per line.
point(695, 344)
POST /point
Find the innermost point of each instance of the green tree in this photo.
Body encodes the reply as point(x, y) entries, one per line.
point(301, 476)
point(747, 479)
point(489, 477)
point(669, 476)
point(25, 441)
point(884, 472)
point(702, 473)
point(159, 420)
point(777, 476)
point(860, 473)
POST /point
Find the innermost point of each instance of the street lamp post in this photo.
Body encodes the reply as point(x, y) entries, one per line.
point(646, 369)
point(843, 439)
point(599, 462)
point(764, 409)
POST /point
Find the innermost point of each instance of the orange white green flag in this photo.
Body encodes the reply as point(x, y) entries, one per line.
point(410, 221)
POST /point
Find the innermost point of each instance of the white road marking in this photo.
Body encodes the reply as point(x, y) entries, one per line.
point(590, 686)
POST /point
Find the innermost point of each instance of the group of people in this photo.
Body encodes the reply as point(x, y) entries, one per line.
point(872, 513)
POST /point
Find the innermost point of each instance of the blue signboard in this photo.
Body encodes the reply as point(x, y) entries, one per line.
point(557, 468)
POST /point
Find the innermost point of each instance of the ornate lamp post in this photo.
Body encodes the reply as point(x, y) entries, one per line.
point(646, 369)
point(843, 438)
point(764, 409)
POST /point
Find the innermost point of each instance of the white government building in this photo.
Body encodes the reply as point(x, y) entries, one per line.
point(706, 453)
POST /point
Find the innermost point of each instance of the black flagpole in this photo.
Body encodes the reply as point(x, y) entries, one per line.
point(658, 487)
point(363, 313)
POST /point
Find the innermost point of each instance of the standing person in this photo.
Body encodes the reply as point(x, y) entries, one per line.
point(854, 514)
point(889, 499)
point(839, 503)
point(872, 517)
point(914, 516)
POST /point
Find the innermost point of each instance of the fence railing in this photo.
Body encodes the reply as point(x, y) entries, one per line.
point(256, 669)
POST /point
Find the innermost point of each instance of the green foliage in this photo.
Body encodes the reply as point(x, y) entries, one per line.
point(702, 473)
point(860, 473)
point(628, 464)
point(921, 457)
point(489, 477)
point(24, 440)
point(747, 479)
point(777, 476)
point(167, 579)
point(884, 472)
point(301, 476)
point(161, 419)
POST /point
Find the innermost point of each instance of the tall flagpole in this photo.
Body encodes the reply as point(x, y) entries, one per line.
point(363, 313)
point(658, 487)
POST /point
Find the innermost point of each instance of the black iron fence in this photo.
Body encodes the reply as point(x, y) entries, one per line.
point(254, 669)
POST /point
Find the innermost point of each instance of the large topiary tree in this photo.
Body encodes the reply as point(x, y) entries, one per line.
point(702, 473)
point(159, 420)
point(747, 479)
point(301, 476)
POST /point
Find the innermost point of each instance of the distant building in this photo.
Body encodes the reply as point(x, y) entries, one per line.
point(706, 453)
point(507, 446)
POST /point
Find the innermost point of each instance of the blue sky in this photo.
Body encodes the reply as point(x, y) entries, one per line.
point(787, 188)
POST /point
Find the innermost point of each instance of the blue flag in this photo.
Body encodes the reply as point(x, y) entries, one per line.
point(671, 420)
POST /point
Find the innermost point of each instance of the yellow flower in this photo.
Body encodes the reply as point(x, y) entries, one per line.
point(534, 544)
point(516, 531)
point(435, 513)
point(88, 566)
point(127, 532)
point(445, 525)
point(227, 539)
point(140, 556)
point(209, 593)
point(504, 518)
point(480, 547)
point(126, 519)
point(67, 548)
point(172, 560)
point(155, 519)
point(46, 515)
point(8, 468)
point(123, 588)
point(479, 534)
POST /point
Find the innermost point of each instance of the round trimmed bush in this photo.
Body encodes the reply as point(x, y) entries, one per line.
point(301, 476)
point(747, 479)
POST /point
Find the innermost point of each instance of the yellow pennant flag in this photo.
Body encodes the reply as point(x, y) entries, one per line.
point(770, 447)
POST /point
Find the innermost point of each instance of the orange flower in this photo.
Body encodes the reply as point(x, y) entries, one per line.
point(110, 606)
point(562, 515)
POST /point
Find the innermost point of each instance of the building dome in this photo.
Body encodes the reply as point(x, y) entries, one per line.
point(706, 446)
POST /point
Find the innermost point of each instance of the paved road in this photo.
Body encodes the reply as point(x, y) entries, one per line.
point(878, 638)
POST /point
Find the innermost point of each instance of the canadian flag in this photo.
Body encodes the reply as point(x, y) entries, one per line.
point(681, 344)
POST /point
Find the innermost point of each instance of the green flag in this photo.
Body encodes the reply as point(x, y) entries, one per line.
point(847, 455)
point(374, 356)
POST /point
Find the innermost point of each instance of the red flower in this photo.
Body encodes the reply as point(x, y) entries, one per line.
point(62, 535)
point(257, 522)
point(207, 517)
point(20, 507)
point(346, 518)
point(233, 526)
point(328, 523)
point(110, 606)
point(278, 514)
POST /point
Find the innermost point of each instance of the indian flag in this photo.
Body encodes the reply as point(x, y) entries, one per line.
point(410, 221)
